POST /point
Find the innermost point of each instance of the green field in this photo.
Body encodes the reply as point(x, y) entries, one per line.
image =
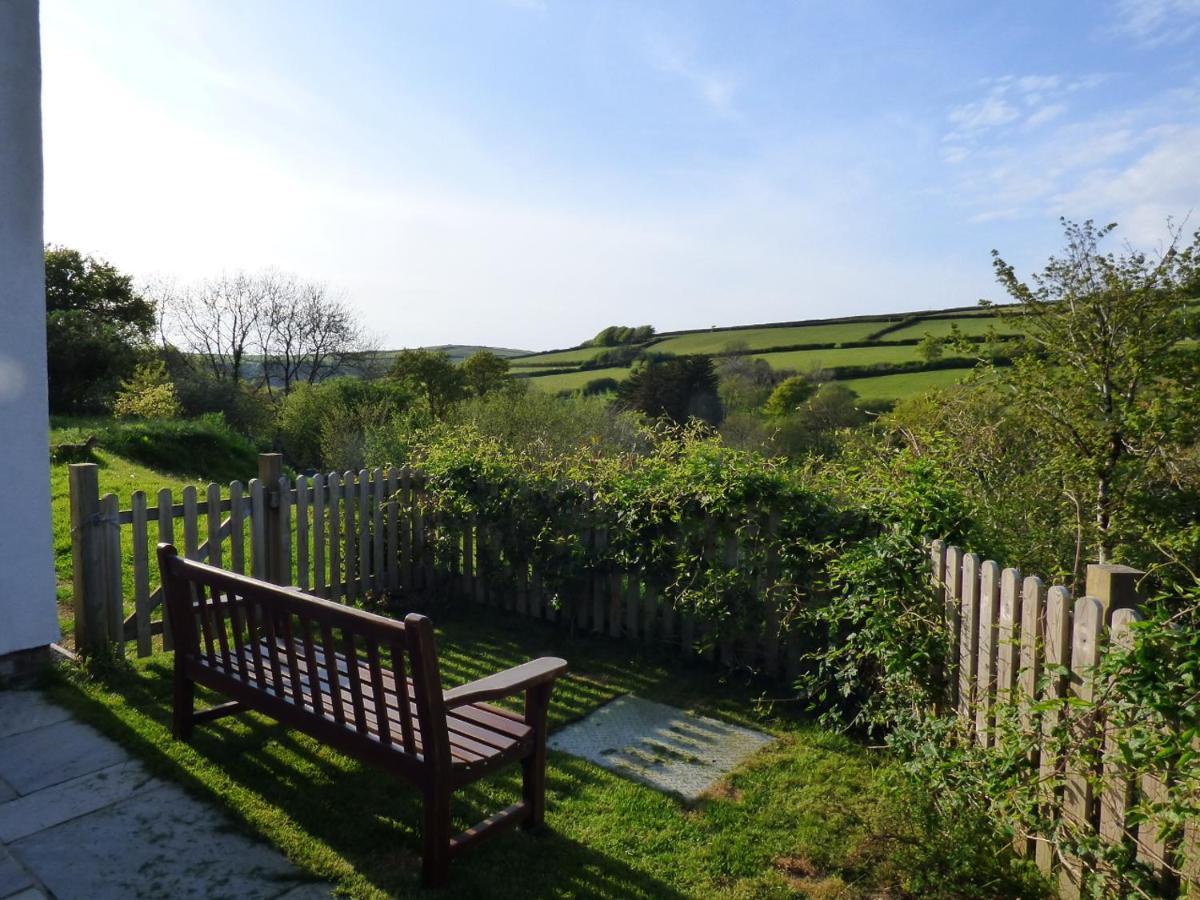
point(811, 360)
point(560, 357)
point(968, 325)
point(574, 381)
point(760, 338)
point(898, 387)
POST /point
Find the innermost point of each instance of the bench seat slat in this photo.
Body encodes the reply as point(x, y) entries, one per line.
point(478, 733)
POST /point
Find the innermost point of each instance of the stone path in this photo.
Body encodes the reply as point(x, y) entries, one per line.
point(80, 818)
point(667, 748)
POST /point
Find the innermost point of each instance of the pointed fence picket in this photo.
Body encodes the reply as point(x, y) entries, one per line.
point(1038, 649)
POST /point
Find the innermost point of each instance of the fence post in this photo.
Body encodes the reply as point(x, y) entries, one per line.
point(87, 559)
point(1116, 587)
point(270, 470)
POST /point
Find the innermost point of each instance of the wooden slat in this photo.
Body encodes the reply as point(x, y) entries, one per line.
point(254, 638)
point(968, 647)
point(114, 576)
point(599, 581)
point(353, 675)
point(406, 533)
point(216, 555)
point(166, 535)
point(237, 529)
point(220, 627)
point(284, 517)
point(1057, 656)
point(1078, 795)
point(1008, 635)
point(380, 700)
point(378, 499)
point(350, 536)
point(335, 536)
point(302, 570)
point(392, 554)
point(1116, 793)
point(989, 614)
point(1033, 622)
point(311, 665)
point(952, 581)
point(141, 573)
point(320, 579)
point(191, 532)
point(258, 529)
point(364, 531)
point(468, 570)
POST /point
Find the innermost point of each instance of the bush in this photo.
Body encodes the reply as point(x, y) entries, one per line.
point(148, 394)
point(325, 425)
point(600, 386)
point(205, 448)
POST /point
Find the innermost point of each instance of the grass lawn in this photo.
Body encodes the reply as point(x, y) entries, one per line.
point(573, 381)
point(897, 387)
point(758, 338)
point(810, 814)
point(117, 475)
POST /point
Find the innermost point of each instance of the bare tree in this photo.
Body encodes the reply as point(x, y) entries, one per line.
point(218, 320)
point(307, 335)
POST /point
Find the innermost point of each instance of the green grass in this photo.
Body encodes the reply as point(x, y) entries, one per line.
point(760, 338)
point(977, 324)
point(907, 384)
point(811, 813)
point(573, 381)
point(116, 475)
point(561, 357)
point(810, 360)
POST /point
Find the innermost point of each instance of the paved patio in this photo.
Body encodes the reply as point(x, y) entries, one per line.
point(79, 818)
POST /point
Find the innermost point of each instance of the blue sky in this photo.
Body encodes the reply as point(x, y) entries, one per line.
point(524, 172)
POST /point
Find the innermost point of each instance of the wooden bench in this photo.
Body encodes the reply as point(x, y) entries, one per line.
point(319, 667)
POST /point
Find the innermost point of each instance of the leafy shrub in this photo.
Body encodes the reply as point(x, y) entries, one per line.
point(204, 447)
point(600, 386)
point(326, 424)
point(148, 394)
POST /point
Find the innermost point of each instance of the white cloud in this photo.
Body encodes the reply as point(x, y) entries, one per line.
point(1153, 23)
point(1045, 114)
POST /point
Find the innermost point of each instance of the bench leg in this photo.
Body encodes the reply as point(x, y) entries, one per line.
point(435, 863)
point(533, 767)
point(183, 714)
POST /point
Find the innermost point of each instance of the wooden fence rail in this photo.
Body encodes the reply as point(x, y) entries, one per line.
point(1034, 647)
point(349, 536)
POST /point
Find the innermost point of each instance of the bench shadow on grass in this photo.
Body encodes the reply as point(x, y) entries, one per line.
point(355, 824)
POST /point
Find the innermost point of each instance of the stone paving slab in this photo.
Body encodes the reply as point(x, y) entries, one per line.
point(25, 711)
point(667, 748)
point(71, 799)
point(161, 843)
point(55, 753)
point(13, 878)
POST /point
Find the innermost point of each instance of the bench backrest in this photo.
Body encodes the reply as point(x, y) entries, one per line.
point(330, 668)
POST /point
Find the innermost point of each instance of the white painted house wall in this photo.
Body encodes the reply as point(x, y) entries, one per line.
point(28, 617)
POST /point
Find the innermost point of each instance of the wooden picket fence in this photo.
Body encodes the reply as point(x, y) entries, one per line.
point(352, 535)
point(1024, 643)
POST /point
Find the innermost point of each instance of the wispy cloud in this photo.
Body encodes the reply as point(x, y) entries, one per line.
point(1027, 101)
point(1153, 23)
point(1137, 165)
point(714, 86)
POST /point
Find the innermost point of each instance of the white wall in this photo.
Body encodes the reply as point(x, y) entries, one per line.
point(27, 611)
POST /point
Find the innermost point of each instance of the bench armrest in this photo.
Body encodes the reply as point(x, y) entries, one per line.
point(506, 683)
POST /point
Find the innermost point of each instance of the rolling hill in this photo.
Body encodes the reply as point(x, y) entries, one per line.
point(879, 356)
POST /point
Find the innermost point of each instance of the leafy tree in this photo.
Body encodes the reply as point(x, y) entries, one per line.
point(484, 372)
point(931, 348)
point(1107, 376)
point(677, 388)
point(614, 335)
point(148, 394)
point(308, 415)
point(433, 375)
point(600, 386)
point(788, 396)
point(97, 324)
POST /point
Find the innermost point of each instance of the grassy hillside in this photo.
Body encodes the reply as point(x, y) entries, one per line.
point(876, 341)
